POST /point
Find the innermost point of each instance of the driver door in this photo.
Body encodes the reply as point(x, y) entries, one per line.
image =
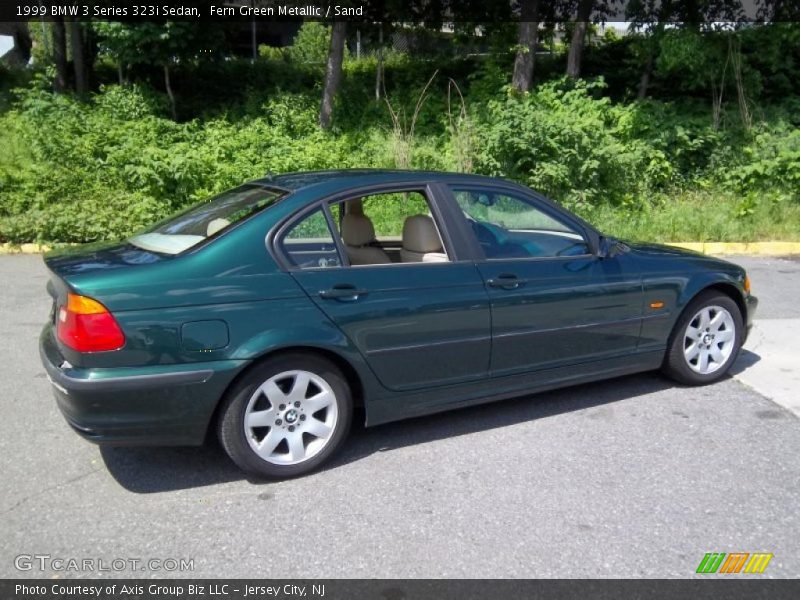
point(553, 303)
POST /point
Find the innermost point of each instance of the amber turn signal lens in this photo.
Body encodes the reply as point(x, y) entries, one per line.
point(747, 284)
point(657, 304)
point(81, 305)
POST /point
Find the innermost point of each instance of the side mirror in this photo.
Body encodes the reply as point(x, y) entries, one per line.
point(607, 247)
point(600, 246)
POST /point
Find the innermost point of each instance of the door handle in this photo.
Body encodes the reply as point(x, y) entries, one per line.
point(506, 281)
point(344, 292)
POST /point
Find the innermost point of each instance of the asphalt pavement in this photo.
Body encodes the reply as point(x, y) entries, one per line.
point(634, 477)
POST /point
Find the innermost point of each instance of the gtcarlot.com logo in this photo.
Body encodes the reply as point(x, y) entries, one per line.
point(734, 562)
point(47, 562)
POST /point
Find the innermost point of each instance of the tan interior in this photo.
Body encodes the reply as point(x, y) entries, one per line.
point(216, 225)
point(357, 233)
point(421, 241)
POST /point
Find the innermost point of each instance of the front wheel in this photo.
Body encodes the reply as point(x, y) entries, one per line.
point(706, 340)
point(286, 416)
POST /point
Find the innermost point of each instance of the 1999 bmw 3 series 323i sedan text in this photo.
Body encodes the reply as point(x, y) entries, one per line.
point(267, 313)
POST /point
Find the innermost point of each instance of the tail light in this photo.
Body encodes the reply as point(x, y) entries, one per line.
point(86, 325)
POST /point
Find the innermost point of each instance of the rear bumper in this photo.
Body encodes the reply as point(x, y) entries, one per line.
point(149, 405)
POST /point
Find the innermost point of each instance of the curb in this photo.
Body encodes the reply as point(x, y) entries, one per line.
point(740, 248)
point(24, 248)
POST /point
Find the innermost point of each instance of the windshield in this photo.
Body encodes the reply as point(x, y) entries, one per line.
point(204, 220)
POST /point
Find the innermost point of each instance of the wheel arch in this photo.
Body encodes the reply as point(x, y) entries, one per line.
point(697, 287)
point(725, 287)
point(350, 373)
point(675, 367)
point(733, 292)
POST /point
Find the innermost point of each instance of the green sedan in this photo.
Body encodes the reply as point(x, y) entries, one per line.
point(266, 314)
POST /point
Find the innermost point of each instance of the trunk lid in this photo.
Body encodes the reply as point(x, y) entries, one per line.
point(66, 266)
point(96, 258)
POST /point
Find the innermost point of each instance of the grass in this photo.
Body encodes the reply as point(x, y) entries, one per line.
point(701, 217)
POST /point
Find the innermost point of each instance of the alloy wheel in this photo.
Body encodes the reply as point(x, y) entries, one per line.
point(291, 417)
point(709, 339)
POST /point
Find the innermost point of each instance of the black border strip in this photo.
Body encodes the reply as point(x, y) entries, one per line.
point(405, 11)
point(702, 588)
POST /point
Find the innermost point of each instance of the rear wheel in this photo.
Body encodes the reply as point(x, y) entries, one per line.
point(286, 416)
point(706, 340)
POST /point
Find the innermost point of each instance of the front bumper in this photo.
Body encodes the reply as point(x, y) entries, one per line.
point(751, 302)
point(148, 405)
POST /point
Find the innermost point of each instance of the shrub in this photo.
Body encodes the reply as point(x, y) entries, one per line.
point(565, 142)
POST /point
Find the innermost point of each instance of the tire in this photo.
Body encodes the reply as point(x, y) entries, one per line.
point(705, 341)
point(286, 416)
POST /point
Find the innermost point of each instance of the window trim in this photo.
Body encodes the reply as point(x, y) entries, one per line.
point(531, 198)
point(429, 189)
point(344, 260)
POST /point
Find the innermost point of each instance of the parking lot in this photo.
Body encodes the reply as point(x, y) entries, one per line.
point(633, 477)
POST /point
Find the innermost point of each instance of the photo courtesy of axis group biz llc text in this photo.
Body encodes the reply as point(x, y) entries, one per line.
point(399, 300)
point(169, 589)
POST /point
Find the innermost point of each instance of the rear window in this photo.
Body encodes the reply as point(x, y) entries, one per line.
point(206, 219)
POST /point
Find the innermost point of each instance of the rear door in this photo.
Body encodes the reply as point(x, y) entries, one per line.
point(417, 324)
point(553, 302)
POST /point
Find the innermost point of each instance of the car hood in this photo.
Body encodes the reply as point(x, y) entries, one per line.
point(661, 249)
point(652, 250)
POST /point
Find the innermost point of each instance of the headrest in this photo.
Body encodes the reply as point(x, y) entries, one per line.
point(357, 230)
point(354, 206)
point(420, 235)
point(215, 225)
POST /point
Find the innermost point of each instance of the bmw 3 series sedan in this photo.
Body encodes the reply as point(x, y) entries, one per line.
point(264, 315)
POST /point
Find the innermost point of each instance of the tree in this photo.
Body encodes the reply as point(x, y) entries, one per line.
point(379, 66)
point(526, 46)
point(651, 16)
point(158, 44)
point(333, 73)
point(20, 54)
point(80, 57)
point(120, 41)
point(579, 38)
point(61, 83)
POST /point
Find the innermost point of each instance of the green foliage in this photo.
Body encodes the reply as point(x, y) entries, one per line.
point(88, 172)
point(309, 49)
point(700, 216)
point(389, 211)
point(311, 43)
point(154, 43)
point(769, 163)
point(568, 144)
point(82, 171)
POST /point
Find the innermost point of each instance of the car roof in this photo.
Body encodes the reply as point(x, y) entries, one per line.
point(343, 179)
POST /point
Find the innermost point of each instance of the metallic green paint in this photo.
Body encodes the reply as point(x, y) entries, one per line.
point(564, 310)
point(417, 325)
point(425, 337)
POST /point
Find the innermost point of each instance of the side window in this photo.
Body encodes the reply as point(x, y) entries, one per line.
point(390, 211)
point(389, 228)
point(511, 227)
point(309, 243)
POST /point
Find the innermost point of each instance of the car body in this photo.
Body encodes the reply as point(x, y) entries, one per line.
point(423, 324)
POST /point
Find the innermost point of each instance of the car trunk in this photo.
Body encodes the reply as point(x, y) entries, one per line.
point(67, 268)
